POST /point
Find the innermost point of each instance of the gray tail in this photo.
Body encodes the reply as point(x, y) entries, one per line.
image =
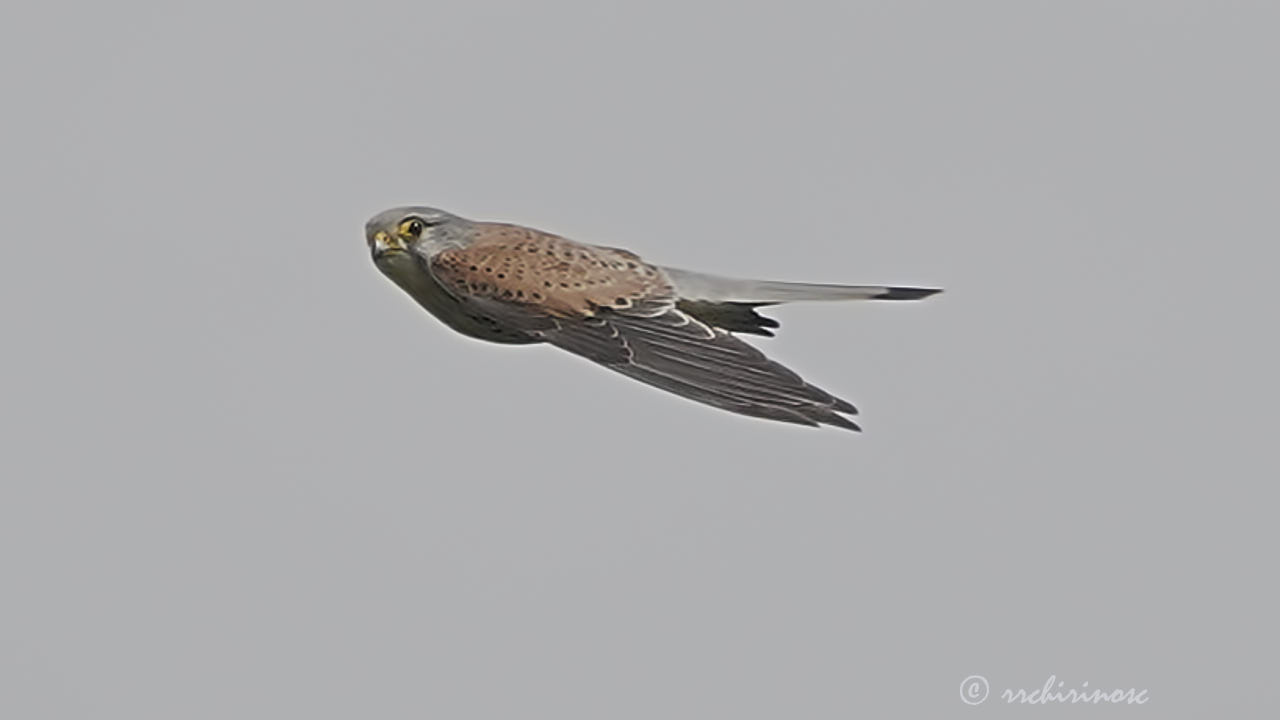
point(714, 288)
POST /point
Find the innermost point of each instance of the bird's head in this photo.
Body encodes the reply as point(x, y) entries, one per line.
point(406, 229)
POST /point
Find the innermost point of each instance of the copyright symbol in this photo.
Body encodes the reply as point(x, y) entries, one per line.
point(974, 689)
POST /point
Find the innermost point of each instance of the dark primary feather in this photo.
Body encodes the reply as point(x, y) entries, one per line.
point(732, 316)
point(678, 353)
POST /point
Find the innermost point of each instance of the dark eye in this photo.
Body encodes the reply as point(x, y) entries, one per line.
point(413, 226)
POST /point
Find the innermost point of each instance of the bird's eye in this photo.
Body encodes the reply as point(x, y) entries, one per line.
point(411, 228)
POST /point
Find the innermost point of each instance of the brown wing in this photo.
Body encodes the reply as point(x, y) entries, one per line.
point(614, 309)
point(559, 277)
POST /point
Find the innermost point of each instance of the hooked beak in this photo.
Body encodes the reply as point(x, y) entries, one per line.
point(382, 243)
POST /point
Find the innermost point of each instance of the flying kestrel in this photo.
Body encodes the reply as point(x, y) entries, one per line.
point(666, 327)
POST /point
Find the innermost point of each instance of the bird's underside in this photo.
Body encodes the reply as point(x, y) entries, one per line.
point(670, 328)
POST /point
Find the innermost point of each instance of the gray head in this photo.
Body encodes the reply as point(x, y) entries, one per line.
point(402, 229)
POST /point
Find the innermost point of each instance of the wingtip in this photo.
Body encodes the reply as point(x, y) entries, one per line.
point(907, 293)
point(847, 424)
point(838, 420)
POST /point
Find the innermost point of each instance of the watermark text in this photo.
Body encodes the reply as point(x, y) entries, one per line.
point(975, 690)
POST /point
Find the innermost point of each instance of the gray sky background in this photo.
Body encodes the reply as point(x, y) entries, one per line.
point(244, 476)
